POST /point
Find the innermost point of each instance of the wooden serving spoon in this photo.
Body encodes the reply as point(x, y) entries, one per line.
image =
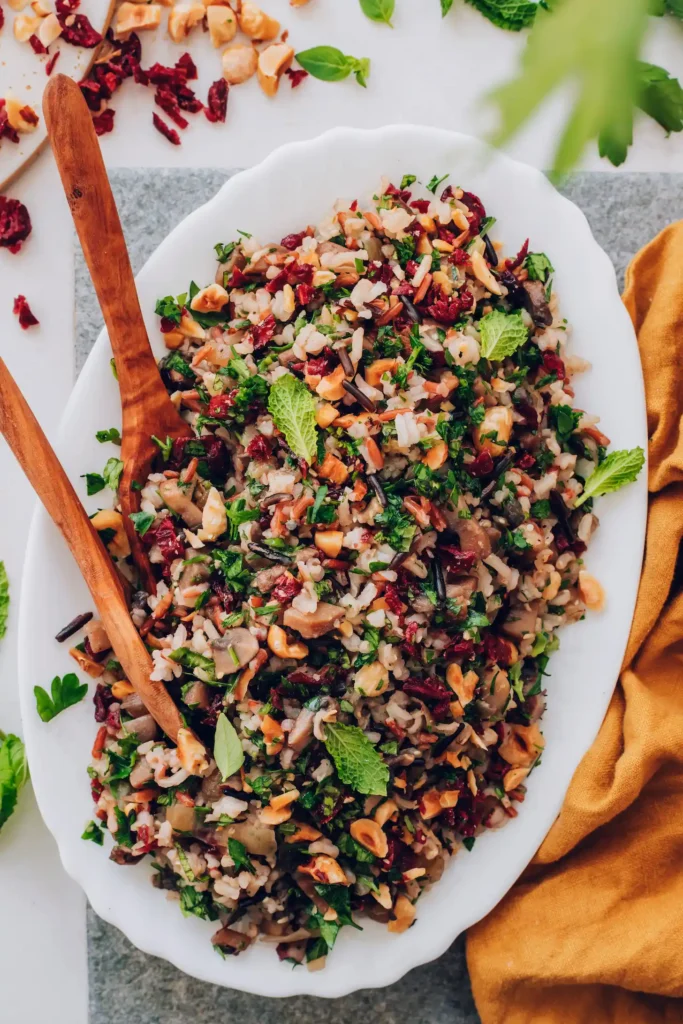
point(48, 479)
point(146, 407)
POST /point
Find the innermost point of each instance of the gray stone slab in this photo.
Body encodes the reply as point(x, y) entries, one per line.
point(128, 987)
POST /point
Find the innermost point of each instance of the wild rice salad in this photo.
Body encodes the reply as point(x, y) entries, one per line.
point(362, 560)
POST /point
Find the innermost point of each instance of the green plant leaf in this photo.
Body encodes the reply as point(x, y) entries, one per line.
point(94, 483)
point(64, 693)
point(238, 852)
point(111, 474)
point(445, 7)
point(595, 45)
point(142, 521)
point(501, 334)
point(358, 763)
point(331, 65)
point(112, 434)
point(617, 470)
point(538, 266)
point(379, 10)
point(513, 15)
point(661, 96)
point(291, 405)
point(13, 773)
point(94, 833)
point(227, 749)
point(192, 660)
point(4, 599)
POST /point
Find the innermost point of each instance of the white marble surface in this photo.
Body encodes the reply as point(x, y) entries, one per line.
point(423, 71)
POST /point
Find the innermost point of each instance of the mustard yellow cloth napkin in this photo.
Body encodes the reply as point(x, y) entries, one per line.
point(593, 932)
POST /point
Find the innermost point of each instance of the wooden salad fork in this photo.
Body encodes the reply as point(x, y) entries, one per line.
point(48, 479)
point(146, 407)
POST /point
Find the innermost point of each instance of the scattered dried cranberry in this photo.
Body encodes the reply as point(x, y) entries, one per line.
point(497, 650)
point(50, 66)
point(292, 242)
point(6, 129)
point(427, 689)
point(2, 17)
point(305, 293)
point(447, 311)
point(23, 311)
point(482, 465)
point(170, 133)
point(553, 364)
point(145, 837)
point(213, 711)
point(67, 6)
point(459, 257)
point(188, 66)
point(476, 208)
point(410, 631)
point(258, 448)
point(104, 122)
point(15, 223)
point(526, 461)
point(262, 333)
point(220, 405)
point(238, 279)
point(164, 534)
point(217, 102)
point(286, 587)
point(529, 413)
point(461, 648)
point(102, 698)
point(36, 45)
point(380, 272)
point(519, 258)
point(421, 205)
point(321, 366)
point(403, 195)
point(393, 600)
point(165, 99)
point(77, 30)
point(96, 789)
point(412, 268)
point(296, 76)
point(457, 560)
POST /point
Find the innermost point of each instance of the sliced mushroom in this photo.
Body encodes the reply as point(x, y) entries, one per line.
point(521, 620)
point(258, 839)
point(197, 696)
point(145, 727)
point(314, 624)
point(181, 817)
point(229, 940)
point(265, 580)
point(301, 734)
point(473, 537)
point(536, 303)
point(133, 706)
point(178, 501)
point(233, 651)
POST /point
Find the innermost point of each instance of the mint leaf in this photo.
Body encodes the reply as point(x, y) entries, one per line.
point(227, 749)
point(192, 660)
point(168, 308)
point(661, 95)
point(618, 469)
point(501, 334)
point(379, 10)
point(112, 434)
point(435, 182)
point(357, 762)
point(94, 833)
point(165, 447)
point(142, 521)
point(4, 599)
point(564, 420)
point(111, 474)
point(513, 15)
point(63, 694)
point(238, 852)
point(13, 773)
point(445, 7)
point(94, 482)
point(291, 405)
point(538, 266)
point(331, 65)
point(223, 251)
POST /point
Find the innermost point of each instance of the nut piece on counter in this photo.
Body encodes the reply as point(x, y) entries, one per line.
point(239, 63)
point(49, 30)
point(256, 24)
point(20, 116)
point(182, 19)
point(272, 63)
point(222, 24)
point(24, 27)
point(132, 17)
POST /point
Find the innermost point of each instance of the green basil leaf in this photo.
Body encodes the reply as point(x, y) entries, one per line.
point(227, 749)
point(379, 10)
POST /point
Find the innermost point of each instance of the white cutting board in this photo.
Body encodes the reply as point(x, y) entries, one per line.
point(22, 73)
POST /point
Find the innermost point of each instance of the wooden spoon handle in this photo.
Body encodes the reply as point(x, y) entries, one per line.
point(84, 177)
point(47, 477)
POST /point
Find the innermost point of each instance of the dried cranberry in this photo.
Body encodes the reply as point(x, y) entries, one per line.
point(213, 711)
point(421, 205)
point(277, 283)
point(145, 837)
point(217, 102)
point(427, 689)
point(220, 405)
point(482, 465)
point(393, 600)
point(296, 76)
point(447, 311)
point(113, 719)
point(50, 66)
point(2, 17)
point(553, 364)
point(526, 461)
point(36, 45)
point(67, 6)
point(159, 74)
point(459, 257)
point(410, 631)
point(15, 224)
point(6, 129)
point(401, 194)
point(412, 268)
point(529, 414)
point(102, 698)
point(497, 650)
point(300, 273)
point(561, 542)
point(96, 789)
point(446, 235)
point(323, 364)
point(405, 289)
point(188, 66)
point(262, 333)
point(238, 279)
point(187, 99)
point(292, 242)
point(165, 99)
point(23, 311)
point(476, 208)
point(305, 293)
point(170, 133)
point(380, 272)
point(104, 122)
point(164, 534)
point(216, 455)
point(519, 258)
point(258, 448)
point(461, 648)
point(77, 30)
point(286, 587)
point(457, 560)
